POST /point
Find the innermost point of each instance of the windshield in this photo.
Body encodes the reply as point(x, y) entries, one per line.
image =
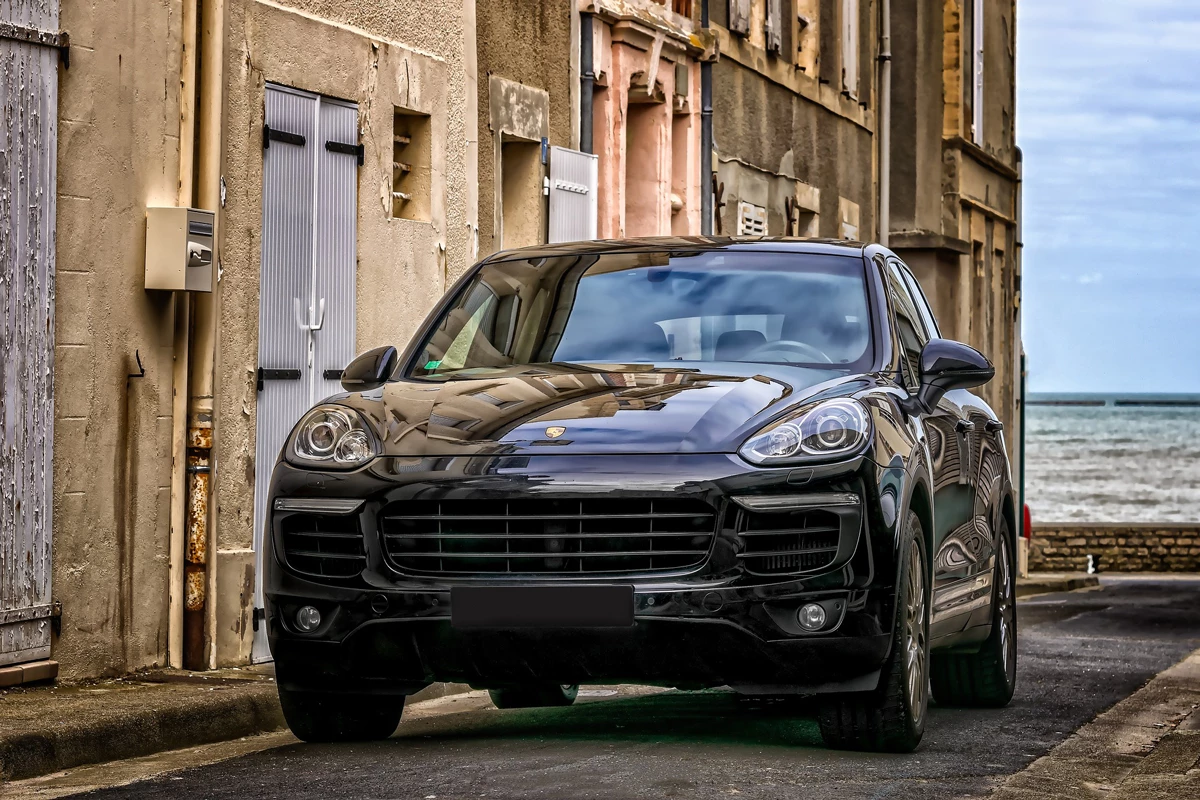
point(628, 308)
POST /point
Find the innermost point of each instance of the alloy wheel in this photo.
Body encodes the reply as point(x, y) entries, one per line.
point(1005, 607)
point(914, 633)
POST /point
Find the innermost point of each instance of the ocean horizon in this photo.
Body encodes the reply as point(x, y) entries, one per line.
point(1113, 457)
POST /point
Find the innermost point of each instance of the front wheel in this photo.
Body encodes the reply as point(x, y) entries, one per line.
point(986, 679)
point(892, 717)
point(331, 717)
point(536, 695)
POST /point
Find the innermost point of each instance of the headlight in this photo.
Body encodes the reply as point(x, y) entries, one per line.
point(332, 436)
point(835, 427)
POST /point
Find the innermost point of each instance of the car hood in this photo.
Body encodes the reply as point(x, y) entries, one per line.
point(560, 409)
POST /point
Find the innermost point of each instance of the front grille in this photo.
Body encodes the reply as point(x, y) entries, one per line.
point(559, 537)
point(789, 542)
point(323, 545)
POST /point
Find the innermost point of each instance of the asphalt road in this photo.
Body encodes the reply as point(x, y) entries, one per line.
point(1079, 653)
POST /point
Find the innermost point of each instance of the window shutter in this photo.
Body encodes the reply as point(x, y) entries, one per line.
point(774, 26)
point(850, 47)
point(739, 17)
point(977, 73)
point(752, 220)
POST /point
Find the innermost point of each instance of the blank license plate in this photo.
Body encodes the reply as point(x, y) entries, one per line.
point(541, 606)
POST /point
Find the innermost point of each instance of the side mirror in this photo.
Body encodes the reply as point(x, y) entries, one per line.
point(947, 365)
point(370, 370)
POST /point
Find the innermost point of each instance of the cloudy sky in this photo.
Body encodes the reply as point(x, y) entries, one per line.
point(1108, 118)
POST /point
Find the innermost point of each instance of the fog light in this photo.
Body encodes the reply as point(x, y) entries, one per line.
point(811, 616)
point(308, 619)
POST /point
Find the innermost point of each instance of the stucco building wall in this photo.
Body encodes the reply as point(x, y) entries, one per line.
point(117, 155)
point(529, 43)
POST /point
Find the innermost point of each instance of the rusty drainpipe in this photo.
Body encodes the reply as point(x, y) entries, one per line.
point(197, 645)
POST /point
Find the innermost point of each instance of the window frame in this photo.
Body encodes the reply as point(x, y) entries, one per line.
point(851, 78)
point(895, 284)
point(922, 302)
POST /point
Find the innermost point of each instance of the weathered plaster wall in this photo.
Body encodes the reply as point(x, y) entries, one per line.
point(916, 115)
point(118, 153)
point(646, 136)
point(778, 131)
point(381, 55)
point(527, 41)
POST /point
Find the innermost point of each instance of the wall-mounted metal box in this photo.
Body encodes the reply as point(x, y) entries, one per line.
point(179, 249)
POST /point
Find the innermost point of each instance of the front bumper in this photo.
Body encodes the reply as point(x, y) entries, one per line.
point(717, 624)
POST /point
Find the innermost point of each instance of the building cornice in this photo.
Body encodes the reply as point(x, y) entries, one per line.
point(982, 156)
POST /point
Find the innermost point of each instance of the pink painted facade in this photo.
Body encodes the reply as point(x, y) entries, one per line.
point(646, 129)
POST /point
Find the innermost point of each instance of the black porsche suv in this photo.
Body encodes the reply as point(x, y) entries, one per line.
point(682, 462)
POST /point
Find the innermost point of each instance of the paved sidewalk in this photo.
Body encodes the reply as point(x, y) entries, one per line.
point(53, 727)
point(1043, 582)
point(1147, 747)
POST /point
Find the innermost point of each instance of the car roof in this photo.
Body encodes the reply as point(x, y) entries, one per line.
point(774, 244)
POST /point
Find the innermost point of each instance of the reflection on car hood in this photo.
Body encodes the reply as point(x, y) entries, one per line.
point(583, 410)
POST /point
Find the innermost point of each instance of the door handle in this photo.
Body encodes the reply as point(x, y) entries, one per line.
point(964, 426)
point(319, 322)
point(993, 426)
point(315, 322)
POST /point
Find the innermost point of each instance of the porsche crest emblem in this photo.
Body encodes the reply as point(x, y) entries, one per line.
point(555, 431)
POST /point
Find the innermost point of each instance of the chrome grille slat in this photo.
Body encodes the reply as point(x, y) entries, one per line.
point(566, 554)
point(597, 535)
point(518, 517)
point(568, 537)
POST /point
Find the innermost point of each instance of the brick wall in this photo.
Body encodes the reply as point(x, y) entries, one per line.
point(1147, 547)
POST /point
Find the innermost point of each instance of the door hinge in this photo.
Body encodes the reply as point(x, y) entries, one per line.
point(332, 374)
point(56, 617)
point(59, 40)
point(259, 613)
point(276, 375)
point(272, 135)
point(355, 150)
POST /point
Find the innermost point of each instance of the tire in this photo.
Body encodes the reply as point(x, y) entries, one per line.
point(988, 678)
point(534, 695)
point(330, 717)
point(891, 718)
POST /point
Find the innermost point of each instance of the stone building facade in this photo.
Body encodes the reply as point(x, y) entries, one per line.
point(358, 155)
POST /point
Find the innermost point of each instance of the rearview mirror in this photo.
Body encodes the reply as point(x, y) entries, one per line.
point(947, 365)
point(370, 370)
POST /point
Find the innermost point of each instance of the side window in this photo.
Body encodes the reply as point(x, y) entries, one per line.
point(909, 328)
point(918, 297)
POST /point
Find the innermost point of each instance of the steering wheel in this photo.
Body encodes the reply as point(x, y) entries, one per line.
point(806, 351)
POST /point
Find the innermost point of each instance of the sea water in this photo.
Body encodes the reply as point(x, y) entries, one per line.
point(1120, 461)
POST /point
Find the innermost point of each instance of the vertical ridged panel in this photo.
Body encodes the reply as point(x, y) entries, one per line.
point(285, 283)
point(573, 201)
point(334, 266)
point(28, 152)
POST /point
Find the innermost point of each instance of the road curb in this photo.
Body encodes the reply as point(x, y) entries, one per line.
point(151, 723)
point(1099, 758)
point(49, 729)
point(1044, 583)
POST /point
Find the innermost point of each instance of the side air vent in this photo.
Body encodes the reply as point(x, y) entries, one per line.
point(788, 543)
point(323, 545)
